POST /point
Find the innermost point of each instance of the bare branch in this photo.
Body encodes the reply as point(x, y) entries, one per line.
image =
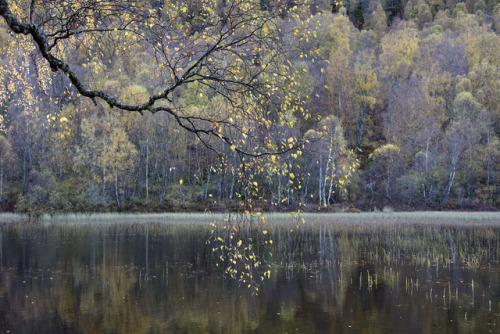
point(221, 57)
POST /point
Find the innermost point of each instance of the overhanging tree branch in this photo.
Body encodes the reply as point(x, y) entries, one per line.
point(222, 56)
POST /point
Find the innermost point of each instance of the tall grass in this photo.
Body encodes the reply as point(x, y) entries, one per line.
point(429, 217)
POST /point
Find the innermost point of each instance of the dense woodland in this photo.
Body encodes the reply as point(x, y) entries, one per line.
point(402, 102)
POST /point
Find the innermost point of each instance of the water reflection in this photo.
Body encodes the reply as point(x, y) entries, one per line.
point(325, 279)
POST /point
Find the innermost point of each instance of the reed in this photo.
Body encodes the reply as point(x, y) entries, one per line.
point(371, 218)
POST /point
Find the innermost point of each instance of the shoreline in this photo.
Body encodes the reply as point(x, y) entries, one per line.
point(461, 217)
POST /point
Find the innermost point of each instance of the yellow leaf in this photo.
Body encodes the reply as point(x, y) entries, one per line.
point(233, 147)
point(265, 232)
point(180, 181)
point(239, 243)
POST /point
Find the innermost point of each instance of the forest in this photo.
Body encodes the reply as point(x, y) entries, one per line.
point(363, 103)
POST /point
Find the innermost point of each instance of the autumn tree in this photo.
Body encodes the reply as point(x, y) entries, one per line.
point(7, 166)
point(386, 168)
point(118, 157)
point(339, 68)
point(365, 90)
point(331, 162)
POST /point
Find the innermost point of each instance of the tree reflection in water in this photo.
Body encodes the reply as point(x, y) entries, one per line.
point(142, 278)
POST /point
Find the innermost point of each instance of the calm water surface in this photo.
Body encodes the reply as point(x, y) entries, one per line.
point(325, 278)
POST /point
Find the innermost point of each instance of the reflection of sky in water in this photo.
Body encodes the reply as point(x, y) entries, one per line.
point(159, 278)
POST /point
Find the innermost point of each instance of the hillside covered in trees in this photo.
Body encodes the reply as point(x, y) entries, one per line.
point(389, 103)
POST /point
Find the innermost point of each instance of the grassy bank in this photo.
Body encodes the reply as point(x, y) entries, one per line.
point(448, 217)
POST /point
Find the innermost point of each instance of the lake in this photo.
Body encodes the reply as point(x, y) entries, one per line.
point(373, 273)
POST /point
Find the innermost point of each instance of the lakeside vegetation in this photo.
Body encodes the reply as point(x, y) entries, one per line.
point(272, 219)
